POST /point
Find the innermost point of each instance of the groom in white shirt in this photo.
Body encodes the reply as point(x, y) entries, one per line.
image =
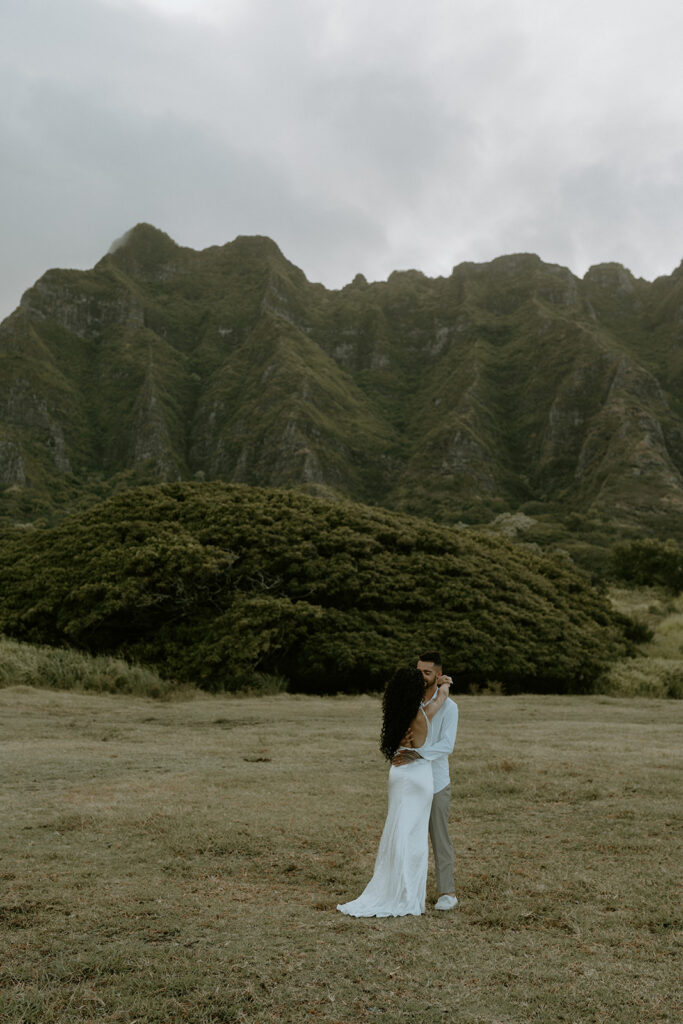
point(444, 730)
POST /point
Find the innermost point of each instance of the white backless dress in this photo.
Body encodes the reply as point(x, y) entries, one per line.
point(399, 882)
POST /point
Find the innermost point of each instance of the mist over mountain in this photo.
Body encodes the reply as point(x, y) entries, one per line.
point(508, 389)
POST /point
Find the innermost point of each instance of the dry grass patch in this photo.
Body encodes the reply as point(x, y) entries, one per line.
point(181, 863)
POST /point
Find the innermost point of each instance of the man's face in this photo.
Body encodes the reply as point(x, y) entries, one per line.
point(430, 672)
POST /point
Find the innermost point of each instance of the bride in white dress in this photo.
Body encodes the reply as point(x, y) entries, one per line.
point(399, 883)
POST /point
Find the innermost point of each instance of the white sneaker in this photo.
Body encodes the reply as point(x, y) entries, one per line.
point(446, 902)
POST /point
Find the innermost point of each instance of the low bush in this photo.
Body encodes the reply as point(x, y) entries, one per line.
point(649, 563)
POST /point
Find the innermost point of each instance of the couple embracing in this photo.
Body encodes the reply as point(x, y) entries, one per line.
point(418, 733)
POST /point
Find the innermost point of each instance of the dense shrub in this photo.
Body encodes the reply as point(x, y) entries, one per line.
point(211, 582)
point(649, 563)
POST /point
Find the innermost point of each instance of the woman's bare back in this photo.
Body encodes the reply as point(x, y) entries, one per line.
point(418, 726)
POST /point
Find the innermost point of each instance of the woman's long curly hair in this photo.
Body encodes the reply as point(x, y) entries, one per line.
point(402, 699)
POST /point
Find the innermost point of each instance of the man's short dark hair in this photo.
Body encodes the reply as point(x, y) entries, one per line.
point(431, 656)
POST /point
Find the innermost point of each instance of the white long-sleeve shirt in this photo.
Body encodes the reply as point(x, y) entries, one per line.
point(444, 731)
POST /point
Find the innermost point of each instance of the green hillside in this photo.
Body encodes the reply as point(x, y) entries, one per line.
point(209, 583)
point(511, 387)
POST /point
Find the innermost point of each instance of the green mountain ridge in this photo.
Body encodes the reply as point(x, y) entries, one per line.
point(508, 386)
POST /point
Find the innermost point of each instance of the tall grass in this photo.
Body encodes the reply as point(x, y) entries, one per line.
point(657, 670)
point(63, 669)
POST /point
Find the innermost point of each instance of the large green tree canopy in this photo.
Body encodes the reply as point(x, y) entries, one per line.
point(210, 582)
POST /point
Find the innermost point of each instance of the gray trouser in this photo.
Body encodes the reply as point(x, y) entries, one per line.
point(441, 841)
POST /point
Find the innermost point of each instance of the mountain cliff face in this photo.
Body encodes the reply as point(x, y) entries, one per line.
point(509, 385)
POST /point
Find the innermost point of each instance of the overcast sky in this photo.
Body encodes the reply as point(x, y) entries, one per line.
point(361, 135)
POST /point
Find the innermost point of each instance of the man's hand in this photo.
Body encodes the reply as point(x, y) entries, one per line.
point(404, 757)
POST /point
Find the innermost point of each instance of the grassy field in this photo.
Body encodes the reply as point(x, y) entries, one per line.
point(181, 862)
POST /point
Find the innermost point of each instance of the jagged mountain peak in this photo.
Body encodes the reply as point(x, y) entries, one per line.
point(146, 252)
point(517, 262)
point(611, 275)
point(510, 264)
point(256, 245)
point(141, 236)
point(462, 397)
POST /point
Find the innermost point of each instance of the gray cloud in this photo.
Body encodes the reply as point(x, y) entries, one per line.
point(361, 137)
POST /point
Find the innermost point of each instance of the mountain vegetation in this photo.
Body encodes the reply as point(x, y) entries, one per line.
point(510, 393)
point(649, 563)
point(210, 583)
point(213, 467)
